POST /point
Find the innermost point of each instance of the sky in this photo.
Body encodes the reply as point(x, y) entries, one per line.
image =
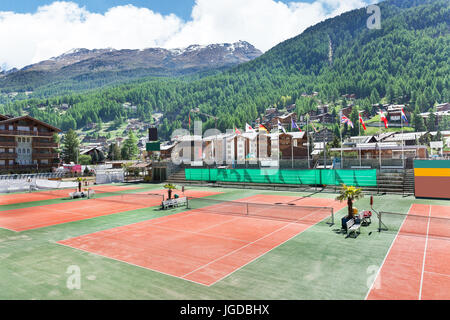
point(36, 30)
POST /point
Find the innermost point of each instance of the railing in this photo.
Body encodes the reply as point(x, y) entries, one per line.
point(27, 166)
point(8, 144)
point(44, 144)
point(25, 133)
point(7, 155)
point(44, 155)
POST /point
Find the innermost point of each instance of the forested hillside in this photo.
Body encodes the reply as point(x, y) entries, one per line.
point(406, 61)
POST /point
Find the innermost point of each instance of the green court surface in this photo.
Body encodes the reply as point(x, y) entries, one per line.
point(318, 263)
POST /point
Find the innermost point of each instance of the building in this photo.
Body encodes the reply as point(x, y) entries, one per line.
point(439, 116)
point(27, 144)
point(285, 120)
point(443, 107)
point(323, 135)
point(394, 114)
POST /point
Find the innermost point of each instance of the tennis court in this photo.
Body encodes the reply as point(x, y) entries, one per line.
point(224, 243)
point(206, 244)
point(48, 215)
point(7, 199)
point(418, 263)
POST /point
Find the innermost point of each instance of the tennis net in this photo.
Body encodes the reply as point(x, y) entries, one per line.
point(416, 225)
point(286, 212)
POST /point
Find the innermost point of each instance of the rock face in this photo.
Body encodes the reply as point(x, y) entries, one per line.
point(145, 62)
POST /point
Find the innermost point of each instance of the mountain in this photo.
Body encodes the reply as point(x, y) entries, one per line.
point(406, 61)
point(113, 65)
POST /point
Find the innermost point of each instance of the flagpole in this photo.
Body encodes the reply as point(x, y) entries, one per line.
point(379, 147)
point(403, 140)
point(342, 157)
point(359, 134)
point(307, 138)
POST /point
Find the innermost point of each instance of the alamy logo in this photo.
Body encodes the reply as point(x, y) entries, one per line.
point(374, 21)
point(74, 279)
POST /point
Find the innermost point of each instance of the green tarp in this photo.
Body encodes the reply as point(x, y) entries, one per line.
point(363, 178)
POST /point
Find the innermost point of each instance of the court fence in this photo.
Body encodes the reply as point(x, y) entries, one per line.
point(363, 178)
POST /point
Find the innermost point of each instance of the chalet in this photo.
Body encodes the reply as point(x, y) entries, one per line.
point(394, 113)
point(285, 120)
point(443, 107)
point(387, 150)
point(293, 145)
point(95, 153)
point(324, 134)
point(27, 144)
point(439, 116)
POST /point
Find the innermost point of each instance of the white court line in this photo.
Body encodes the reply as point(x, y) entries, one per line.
point(424, 254)
point(437, 273)
point(132, 264)
point(387, 253)
point(265, 236)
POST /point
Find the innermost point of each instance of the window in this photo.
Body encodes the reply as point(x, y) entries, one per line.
point(28, 151)
point(19, 139)
point(20, 150)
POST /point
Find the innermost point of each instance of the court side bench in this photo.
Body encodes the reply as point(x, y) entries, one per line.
point(172, 203)
point(352, 227)
point(82, 194)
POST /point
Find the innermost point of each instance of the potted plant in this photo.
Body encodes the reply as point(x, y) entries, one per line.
point(169, 188)
point(349, 194)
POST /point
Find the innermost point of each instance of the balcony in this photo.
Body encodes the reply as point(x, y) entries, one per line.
point(8, 144)
point(27, 166)
point(8, 155)
point(25, 133)
point(43, 144)
point(44, 156)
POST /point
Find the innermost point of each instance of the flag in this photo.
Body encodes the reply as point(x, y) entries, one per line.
point(248, 128)
point(294, 125)
point(346, 120)
point(405, 119)
point(261, 127)
point(236, 131)
point(362, 122)
point(383, 119)
point(281, 127)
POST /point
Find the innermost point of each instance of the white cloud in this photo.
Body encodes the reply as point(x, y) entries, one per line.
point(61, 26)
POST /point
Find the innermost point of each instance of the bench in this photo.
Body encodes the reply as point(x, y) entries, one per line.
point(172, 203)
point(352, 227)
point(82, 194)
point(361, 167)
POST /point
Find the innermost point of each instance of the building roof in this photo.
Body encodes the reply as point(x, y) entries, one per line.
point(27, 117)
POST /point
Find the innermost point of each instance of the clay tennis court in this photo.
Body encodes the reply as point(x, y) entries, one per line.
point(206, 244)
point(53, 214)
point(418, 263)
point(54, 194)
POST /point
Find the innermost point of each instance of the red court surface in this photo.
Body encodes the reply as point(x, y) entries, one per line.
point(417, 267)
point(49, 215)
point(53, 194)
point(199, 245)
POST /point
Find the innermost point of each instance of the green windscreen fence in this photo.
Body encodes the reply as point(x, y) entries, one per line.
point(363, 178)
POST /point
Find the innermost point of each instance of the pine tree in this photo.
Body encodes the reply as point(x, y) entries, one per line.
point(71, 147)
point(130, 149)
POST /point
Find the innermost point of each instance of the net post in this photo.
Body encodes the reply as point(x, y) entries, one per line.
point(247, 207)
point(379, 221)
point(187, 202)
point(332, 216)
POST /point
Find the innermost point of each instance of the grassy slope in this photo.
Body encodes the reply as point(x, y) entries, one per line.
point(312, 265)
